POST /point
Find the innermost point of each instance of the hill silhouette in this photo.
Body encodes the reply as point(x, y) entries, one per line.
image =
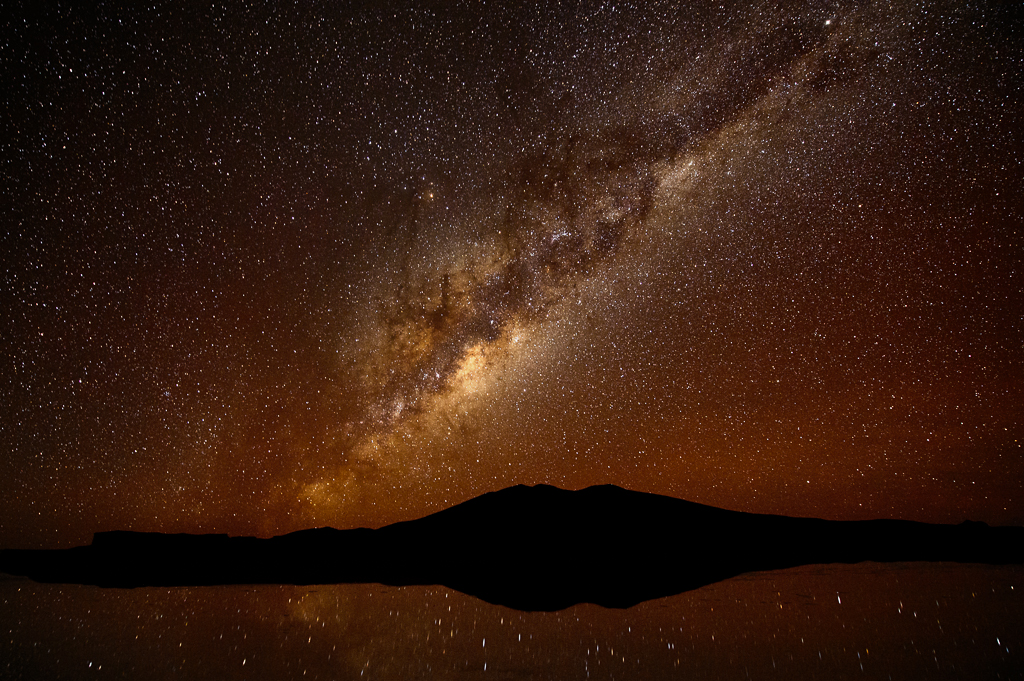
point(530, 548)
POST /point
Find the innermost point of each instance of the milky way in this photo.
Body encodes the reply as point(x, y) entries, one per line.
point(271, 270)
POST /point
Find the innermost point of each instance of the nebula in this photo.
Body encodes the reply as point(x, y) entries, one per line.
point(347, 270)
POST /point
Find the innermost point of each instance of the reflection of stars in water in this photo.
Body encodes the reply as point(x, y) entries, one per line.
point(835, 620)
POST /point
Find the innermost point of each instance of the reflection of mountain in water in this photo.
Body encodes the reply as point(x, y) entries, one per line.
point(531, 548)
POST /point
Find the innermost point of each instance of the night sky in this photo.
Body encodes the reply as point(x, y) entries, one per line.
point(264, 269)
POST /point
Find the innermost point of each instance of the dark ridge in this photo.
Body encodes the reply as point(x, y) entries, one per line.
point(530, 548)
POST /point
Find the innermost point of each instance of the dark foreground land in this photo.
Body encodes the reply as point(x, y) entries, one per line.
point(531, 548)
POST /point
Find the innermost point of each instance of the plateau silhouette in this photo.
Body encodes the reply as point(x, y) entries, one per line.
point(529, 548)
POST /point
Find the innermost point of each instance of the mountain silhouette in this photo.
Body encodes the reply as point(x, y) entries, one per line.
point(530, 548)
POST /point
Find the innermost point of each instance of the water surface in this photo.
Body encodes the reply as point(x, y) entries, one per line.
point(900, 621)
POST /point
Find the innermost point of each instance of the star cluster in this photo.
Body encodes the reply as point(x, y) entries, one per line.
point(266, 269)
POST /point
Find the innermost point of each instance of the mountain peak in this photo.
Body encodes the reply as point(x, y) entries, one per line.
point(529, 547)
